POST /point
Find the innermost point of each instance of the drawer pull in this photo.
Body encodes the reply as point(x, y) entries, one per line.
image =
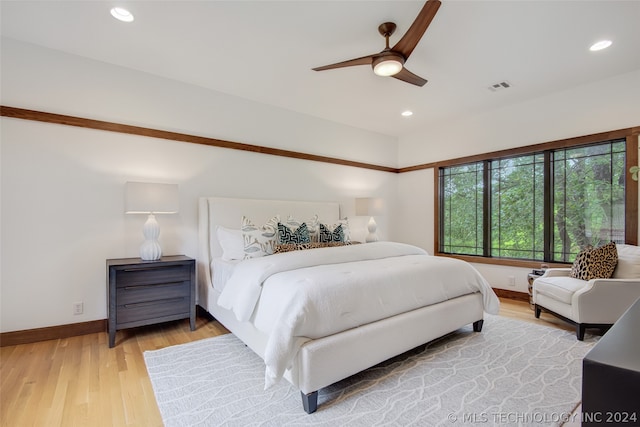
point(159, 285)
point(133, 270)
point(148, 303)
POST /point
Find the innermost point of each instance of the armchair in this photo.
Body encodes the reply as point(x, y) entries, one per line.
point(596, 303)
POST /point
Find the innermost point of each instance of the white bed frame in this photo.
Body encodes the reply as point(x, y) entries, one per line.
point(324, 361)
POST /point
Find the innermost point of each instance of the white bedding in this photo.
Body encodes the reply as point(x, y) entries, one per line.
point(221, 271)
point(298, 296)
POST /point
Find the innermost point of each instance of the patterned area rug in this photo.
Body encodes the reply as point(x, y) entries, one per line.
point(513, 373)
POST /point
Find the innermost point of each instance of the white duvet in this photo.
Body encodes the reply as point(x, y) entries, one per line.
point(302, 295)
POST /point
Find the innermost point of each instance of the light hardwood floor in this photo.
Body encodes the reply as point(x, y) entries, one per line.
point(80, 381)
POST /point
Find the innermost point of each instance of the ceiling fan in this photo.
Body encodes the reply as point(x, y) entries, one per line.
point(390, 62)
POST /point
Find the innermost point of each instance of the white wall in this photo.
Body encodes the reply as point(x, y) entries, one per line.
point(598, 107)
point(62, 188)
point(61, 206)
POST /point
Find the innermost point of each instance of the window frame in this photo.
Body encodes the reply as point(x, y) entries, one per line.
point(631, 188)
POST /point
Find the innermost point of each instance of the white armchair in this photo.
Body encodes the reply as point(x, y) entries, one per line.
point(596, 303)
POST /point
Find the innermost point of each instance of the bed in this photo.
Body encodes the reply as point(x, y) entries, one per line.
point(320, 315)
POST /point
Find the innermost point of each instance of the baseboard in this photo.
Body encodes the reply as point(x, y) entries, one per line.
point(74, 329)
point(52, 332)
point(505, 293)
point(28, 336)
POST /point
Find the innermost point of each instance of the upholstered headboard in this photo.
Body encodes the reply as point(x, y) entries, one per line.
point(228, 212)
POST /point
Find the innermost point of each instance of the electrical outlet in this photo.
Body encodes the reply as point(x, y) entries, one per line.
point(78, 307)
point(512, 281)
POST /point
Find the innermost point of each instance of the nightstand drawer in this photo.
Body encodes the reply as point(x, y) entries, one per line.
point(136, 312)
point(142, 293)
point(148, 276)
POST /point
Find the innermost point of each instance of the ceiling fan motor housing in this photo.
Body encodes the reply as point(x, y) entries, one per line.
point(387, 63)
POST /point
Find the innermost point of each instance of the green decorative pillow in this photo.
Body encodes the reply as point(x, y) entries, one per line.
point(290, 235)
point(598, 263)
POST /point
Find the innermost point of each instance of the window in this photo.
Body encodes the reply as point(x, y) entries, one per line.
point(588, 198)
point(462, 214)
point(540, 206)
point(517, 207)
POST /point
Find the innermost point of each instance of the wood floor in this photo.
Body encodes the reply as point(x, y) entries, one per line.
point(80, 381)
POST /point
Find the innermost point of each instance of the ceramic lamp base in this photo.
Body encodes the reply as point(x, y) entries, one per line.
point(371, 227)
point(150, 249)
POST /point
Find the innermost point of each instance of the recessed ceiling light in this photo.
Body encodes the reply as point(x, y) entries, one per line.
point(122, 14)
point(602, 44)
point(407, 113)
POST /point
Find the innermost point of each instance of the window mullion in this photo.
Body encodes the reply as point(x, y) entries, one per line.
point(486, 209)
point(441, 209)
point(548, 207)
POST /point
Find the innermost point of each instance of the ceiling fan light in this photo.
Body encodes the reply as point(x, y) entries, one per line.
point(387, 67)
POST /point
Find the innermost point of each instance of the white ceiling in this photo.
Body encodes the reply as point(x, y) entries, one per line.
point(264, 50)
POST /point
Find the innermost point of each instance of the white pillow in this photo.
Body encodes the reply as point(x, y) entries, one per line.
point(231, 243)
point(628, 262)
point(259, 241)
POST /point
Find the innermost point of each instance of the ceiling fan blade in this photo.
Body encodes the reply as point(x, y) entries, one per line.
point(407, 76)
point(409, 41)
point(365, 60)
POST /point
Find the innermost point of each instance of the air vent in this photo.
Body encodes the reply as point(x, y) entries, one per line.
point(499, 86)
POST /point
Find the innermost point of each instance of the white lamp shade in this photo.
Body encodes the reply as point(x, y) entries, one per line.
point(368, 206)
point(144, 197)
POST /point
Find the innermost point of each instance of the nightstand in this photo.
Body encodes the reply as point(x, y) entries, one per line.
point(531, 277)
point(147, 292)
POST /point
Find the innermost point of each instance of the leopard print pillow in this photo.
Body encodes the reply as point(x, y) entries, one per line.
point(288, 247)
point(598, 263)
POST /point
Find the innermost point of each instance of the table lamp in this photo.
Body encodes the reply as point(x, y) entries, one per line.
point(151, 199)
point(369, 207)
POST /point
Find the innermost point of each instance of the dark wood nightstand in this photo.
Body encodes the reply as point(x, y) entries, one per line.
point(147, 292)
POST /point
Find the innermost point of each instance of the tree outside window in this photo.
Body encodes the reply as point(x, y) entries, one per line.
point(499, 207)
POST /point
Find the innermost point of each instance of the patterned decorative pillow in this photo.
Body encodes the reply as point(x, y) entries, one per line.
point(312, 225)
point(290, 235)
point(345, 229)
point(259, 241)
point(598, 263)
point(302, 246)
point(328, 234)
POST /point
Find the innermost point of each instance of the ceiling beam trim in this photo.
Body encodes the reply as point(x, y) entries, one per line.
point(20, 113)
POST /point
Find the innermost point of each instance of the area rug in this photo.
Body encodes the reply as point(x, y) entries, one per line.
point(512, 373)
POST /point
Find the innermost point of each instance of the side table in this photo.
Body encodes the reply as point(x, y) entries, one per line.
point(147, 292)
point(531, 277)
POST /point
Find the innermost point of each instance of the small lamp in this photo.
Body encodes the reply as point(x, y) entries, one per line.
point(151, 199)
point(369, 207)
